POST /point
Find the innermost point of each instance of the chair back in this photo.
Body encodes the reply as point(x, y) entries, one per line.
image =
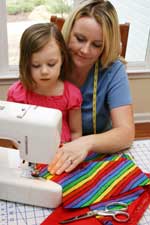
point(58, 21)
point(124, 32)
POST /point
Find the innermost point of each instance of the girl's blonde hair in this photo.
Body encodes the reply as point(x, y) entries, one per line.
point(106, 15)
point(33, 39)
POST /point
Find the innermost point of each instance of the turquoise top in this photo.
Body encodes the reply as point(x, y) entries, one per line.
point(112, 91)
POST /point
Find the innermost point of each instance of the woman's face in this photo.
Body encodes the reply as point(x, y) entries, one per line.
point(86, 42)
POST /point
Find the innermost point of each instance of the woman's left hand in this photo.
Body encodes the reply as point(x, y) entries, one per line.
point(69, 156)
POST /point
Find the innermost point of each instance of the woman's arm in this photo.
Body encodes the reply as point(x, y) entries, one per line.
point(119, 137)
point(75, 123)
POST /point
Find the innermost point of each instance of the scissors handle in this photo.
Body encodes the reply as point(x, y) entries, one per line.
point(121, 216)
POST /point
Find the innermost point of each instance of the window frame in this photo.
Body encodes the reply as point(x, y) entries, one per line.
point(6, 71)
point(141, 67)
point(3, 38)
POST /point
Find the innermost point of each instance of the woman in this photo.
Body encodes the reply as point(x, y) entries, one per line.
point(92, 35)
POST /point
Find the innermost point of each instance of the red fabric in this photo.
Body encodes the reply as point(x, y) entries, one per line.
point(62, 214)
point(136, 211)
point(138, 207)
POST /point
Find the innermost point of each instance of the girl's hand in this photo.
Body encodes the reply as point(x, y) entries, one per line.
point(69, 156)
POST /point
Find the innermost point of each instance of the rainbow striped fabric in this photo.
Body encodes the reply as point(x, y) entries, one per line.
point(99, 180)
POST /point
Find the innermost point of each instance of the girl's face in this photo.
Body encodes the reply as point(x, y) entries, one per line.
point(86, 42)
point(46, 65)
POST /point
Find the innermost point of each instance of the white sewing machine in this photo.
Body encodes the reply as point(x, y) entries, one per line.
point(36, 133)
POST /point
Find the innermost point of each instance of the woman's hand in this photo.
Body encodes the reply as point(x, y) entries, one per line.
point(69, 156)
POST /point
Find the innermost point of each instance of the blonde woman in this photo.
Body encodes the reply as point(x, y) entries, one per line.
point(92, 36)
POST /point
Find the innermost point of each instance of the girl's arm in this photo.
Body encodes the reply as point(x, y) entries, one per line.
point(75, 123)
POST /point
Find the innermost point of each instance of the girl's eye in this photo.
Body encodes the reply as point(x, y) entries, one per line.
point(51, 64)
point(35, 66)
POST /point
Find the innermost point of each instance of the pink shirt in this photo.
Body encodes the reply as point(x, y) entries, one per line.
point(70, 99)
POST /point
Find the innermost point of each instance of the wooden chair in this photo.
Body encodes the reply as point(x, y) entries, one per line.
point(124, 31)
point(58, 21)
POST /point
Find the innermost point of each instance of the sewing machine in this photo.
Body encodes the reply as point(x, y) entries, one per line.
point(35, 131)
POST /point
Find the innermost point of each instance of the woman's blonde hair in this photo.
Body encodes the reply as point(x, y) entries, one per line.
point(106, 15)
point(33, 39)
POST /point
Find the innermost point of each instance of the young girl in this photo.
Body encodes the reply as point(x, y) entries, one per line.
point(44, 62)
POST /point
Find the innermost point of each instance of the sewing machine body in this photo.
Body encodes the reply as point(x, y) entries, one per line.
point(35, 130)
point(36, 133)
point(18, 186)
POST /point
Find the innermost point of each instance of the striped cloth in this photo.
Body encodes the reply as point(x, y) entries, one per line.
point(99, 180)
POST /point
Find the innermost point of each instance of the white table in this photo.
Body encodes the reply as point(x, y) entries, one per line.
point(19, 214)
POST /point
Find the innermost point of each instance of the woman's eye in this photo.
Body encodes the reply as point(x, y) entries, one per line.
point(97, 45)
point(80, 39)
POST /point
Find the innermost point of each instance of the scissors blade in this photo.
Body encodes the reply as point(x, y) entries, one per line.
point(86, 215)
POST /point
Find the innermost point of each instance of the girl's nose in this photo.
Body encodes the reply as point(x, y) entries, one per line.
point(44, 69)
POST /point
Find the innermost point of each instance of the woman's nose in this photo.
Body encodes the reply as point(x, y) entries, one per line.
point(85, 48)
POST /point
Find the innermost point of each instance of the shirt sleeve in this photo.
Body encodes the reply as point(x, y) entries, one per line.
point(16, 93)
point(74, 96)
point(118, 89)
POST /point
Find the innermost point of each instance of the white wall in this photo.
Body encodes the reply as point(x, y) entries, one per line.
point(140, 90)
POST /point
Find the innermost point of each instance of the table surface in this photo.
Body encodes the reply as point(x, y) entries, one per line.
point(20, 214)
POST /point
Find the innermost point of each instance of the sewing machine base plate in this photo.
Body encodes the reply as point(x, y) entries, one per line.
point(15, 187)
